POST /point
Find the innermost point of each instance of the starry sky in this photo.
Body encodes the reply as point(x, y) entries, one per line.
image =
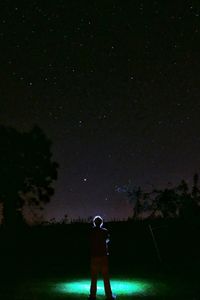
point(114, 84)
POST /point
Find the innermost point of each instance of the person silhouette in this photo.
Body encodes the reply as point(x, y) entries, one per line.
point(99, 239)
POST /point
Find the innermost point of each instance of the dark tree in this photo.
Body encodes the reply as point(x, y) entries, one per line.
point(195, 189)
point(27, 172)
point(173, 202)
point(185, 199)
point(190, 201)
point(136, 197)
point(167, 202)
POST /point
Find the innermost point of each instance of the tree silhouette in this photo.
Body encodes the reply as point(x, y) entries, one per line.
point(184, 197)
point(167, 202)
point(136, 197)
point(173, 202)
point(27, 172)
point(190, 201)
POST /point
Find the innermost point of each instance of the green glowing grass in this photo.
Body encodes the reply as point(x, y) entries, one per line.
point(119, 287)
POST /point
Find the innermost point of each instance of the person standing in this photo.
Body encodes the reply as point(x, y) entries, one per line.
point(99, 239)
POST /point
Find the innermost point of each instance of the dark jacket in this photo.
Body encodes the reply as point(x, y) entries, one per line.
point(99, 239)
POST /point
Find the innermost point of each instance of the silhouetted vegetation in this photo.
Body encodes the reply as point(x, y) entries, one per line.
point(171, 202)
point(26, 174)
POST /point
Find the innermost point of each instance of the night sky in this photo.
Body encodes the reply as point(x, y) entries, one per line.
point(114, 84)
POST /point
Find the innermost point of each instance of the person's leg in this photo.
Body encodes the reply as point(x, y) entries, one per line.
point(94, 273)
point(93, 286)
point(106, 279)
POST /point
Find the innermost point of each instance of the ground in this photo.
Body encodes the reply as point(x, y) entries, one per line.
point(77, 287)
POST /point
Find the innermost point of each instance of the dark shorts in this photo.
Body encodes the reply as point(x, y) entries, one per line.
point(99, 264)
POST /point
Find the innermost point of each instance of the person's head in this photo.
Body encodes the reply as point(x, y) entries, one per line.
point(98, 221)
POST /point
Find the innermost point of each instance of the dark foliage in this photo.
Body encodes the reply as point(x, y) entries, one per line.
point(174, 202)
point(27, 172)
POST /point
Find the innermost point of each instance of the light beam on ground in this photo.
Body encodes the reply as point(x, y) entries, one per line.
point(119, 287)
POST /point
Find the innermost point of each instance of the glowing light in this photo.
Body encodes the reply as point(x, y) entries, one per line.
point(119, 287)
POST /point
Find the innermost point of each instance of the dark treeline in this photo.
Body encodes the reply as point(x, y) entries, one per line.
point(181, 201)
point(28, 172)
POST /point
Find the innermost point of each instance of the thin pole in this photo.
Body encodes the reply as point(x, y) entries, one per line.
point(155, 244)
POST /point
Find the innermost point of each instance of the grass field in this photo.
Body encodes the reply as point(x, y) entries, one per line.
point(77, 287)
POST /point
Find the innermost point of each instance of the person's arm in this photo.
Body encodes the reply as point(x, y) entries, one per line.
point(107, 238)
